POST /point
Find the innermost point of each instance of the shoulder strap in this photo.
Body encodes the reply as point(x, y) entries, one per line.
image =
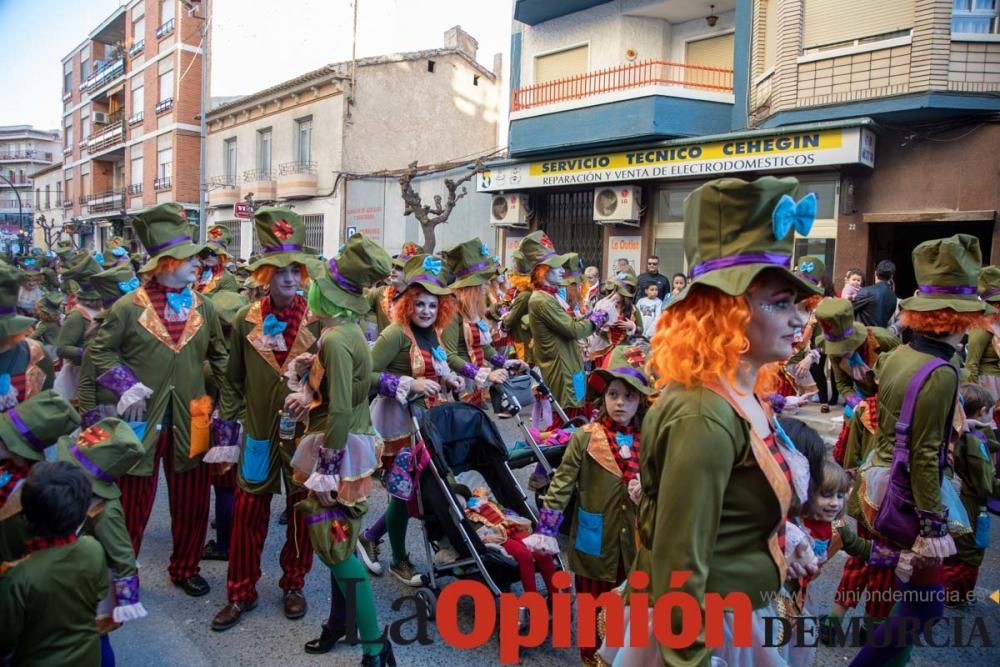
point(910, 400)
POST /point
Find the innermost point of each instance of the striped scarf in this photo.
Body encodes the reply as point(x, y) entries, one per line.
point(158, 297)
point(292, 315)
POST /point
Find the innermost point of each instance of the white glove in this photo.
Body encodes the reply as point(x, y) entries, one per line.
point(635, 490)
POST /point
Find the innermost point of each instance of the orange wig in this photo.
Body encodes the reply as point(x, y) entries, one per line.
point(403, 309)
point(521, 282)
point(943, 322)
point(167, 265)
point(538, 274)
point(809, 304)
point(701, 339)
point(264, 274)
point(471, 304)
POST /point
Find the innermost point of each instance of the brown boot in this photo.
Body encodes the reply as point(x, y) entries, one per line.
point(295, 605)
point(229, 616)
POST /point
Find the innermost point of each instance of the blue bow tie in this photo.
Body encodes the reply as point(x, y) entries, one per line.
point(789, 214)
point(855, 360)
point(4, 384)
point(820, 547)
point(624, 439)
point(485, 328)
point(432, 265)
point(439, 353)
point(99, 257)
point(4, 478)
point(119, 251)
point(179, 301)
point(273, 326)
point(807, 267)
point(206, 275)
point(129, 285)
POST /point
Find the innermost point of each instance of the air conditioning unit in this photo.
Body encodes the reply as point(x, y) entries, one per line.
point(100, 118)
point(617, 205)
point(508, 210)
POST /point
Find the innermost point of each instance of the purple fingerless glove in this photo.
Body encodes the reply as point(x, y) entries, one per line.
point(388, 384)
point(883, 555)
point(225, 433)
point(498, 360)
point(470, 371)
point(127, 590)
point(89, 418)
point(329, 461)
point(933, 524)
point(599, 318)
point(853, 399)
point(549, 522)
point(117, 379)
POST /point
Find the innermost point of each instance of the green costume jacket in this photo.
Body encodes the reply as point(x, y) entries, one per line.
point(514, 322)
point(974, 467)
point(47, 333)
point(455, 339)
point(258, 397)
point(980, 357)
point(134, 336)
point(72, 336)
point(393, 353)
point(712, 504)
point(226, 282)
point(48, 602)
point(379, 313)
point(605, 509)
point(28, 358)
point(846, 384)
point(554, 336)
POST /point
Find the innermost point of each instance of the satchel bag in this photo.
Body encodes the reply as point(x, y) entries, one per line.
point(518, 386)
point(897, 514)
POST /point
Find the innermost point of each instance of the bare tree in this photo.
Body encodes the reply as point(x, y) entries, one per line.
point(430, 217)
point(49, 231)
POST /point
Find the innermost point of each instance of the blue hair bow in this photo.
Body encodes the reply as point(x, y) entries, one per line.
point(179, 301)
point(99, 257)
point(273, 326)
point(807, 267)
point(789, 214)
point(119, 251)
point(206, 275)
point(484, 250)
point(432, 265)
point(129, 285)
point(439, 353)
point(29, 262)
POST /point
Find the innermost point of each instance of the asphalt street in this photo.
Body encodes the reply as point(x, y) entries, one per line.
point(177, 632)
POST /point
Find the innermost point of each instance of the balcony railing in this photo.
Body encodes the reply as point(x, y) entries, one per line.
point(134, 189)
point(26, 204)
point(288, 168)
point(114, 135)
point(105, 74)
point(16, 181)
point(82, 200)
point(165, 29)
point(165, 105)
point(103, 202)
point(67, 203)
point(254, 175)
point(220, 182)
point(623, 77)
point(136, 48)
point(32, 155)
point(163, 183)
point(135, 118)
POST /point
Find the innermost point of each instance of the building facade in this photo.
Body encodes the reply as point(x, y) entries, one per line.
point(304, 141)
point(50, 216)
point(131, 99)
point(875, 108)
point(23, 150)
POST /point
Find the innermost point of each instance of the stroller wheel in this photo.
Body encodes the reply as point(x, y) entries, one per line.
point(428, 597)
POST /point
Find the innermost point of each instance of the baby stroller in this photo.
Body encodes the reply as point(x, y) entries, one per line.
point(461, 437)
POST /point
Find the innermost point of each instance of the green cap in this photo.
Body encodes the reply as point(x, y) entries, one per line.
point(219, 239)
point(164, 231)
point(112, 283)
point(81, 269)
point(428, 272)
point(409, 250)
point(626, 363)
point(282, 236)
point(842, 334)
point(227, 304)
point(104, 451)
point(989, 284)
point(537, 248)
point(573, 269)
point(52, 303)
point(471, 263)
point(27, 429)
point(64, 250)
point(342, 280)
point(947, 272)
point(11, 322)
point(811, 268)
point(730, 234)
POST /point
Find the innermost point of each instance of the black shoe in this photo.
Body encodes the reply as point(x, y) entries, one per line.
point(283, 519)
point(195, 586)
point(385, 658)
point(327, 639)
point(212, 551)
point(825, 409)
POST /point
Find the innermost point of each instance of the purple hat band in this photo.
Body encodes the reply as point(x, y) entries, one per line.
point(634, 373)
point(836, 338)
point(284, 247)
point(986, 295)
point(783, 261)
point(90, 466)
point(23, 429)
point(179, 240)
point(941, 289)
point(343, 282)
point(806, 276)
point(472, 269)
point(328, 515)
point(8, 310)
point(426, 278)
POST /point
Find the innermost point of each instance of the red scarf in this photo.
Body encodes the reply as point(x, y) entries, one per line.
point(39, 543)
point(628, 466)
point(158, 297)
point(292, 315)
point(12, 473)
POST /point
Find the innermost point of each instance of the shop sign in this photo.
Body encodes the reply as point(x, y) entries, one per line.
point(798, 150)
point(242, 210)
point(624, 247)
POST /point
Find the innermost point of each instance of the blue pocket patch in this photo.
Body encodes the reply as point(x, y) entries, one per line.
point(580, 385)
point(139, 428)
point(589, 528)
point(256, 460)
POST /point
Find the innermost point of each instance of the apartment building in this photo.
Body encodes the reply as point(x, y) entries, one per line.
point(620, 109)
point(131, 99)
point(48, 208)
point(23, 150)
point(307, 141)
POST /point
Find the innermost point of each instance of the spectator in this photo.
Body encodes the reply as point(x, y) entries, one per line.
point(852, 284)
point(649, 307)
point(652, 276)
point(622, 265)
point(592, 286)
point(679, 283)
point(875, 305)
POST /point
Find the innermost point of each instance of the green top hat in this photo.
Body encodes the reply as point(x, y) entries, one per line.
point(105, 451)
point(836, 319)
point(10, 322)
point(27, 429)
point(947, 272)
point(471, 263)
point(811, 268)
point(989, 284)
point(625, 283)
point(536, 248)
point(227, 304)
point(164, 231)
point(116, 256)
point(111, 284)
point(30, 267)
point(282, 236)
point(219, 239)
point(52, 303)
point(428, 272)
point(409, 250)
point(81, 270)
point(518, 259)
point(343, 279)
point(64, 250)
point(573, 269)
point(628, 364)
point(734, 229)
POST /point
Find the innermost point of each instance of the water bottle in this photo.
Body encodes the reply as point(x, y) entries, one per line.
point(286, 426)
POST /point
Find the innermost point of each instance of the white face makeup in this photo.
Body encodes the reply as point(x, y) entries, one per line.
point(286, 282)
point(184, 275)
point(773, 320)
point(425, 310)
point(621, 402)
point(555, 275)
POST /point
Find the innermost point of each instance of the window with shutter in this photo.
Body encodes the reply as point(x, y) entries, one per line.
point(562, 64)
point(840, 22)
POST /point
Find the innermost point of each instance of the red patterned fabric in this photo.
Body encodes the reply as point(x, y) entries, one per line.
point(476, 351)
point(39, 543)
point(20, 383)
point(959, 580)
point(292, 315)
point(775, 450)
point(629, 466)
point(12, 473)
point(158, 297)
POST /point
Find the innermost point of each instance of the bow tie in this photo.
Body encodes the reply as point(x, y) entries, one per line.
point(119, 251)
point(129, 285)
point(273, 326)
point(485, 328)
point(855, 360)
point(789, 214)
point(179, 301)
point(206, 275)
point(439, 353)
point(624, 439)
point(820, 547)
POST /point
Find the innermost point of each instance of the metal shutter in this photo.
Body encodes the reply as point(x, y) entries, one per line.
point(835, 21)
point(570, 62)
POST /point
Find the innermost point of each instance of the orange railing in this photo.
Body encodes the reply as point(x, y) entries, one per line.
point(622, 77)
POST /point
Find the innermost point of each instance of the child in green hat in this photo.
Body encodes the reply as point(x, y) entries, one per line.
point(78, 323)
point(27, 368)
point(381, 298)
